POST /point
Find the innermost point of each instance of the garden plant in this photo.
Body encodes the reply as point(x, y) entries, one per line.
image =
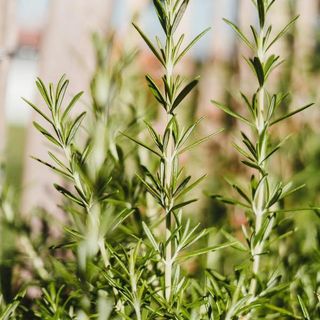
point(132, 244)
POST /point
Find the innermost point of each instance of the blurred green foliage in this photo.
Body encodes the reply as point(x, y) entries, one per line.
point(15, 155)
point(110, 259)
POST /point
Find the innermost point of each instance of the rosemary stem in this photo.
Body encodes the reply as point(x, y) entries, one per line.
point(168, 262)
point(259, 208)
point(168, 169)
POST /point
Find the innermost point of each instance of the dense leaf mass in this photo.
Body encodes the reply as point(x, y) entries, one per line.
point(132, 245)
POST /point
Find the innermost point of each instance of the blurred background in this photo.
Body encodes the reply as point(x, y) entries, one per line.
point(50, 38)
point(46, 39)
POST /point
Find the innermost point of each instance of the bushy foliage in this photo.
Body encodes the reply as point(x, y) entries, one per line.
point(129, 248)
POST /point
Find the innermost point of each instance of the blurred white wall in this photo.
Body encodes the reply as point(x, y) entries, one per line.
point(32, 16)
point(7, 44)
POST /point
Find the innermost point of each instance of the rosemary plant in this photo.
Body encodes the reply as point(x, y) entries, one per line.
point(118, 258)
point(99, 195)
point(262, 201)
point(168, 186)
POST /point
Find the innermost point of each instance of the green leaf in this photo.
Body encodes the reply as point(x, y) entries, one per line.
point(181, 186)
point(287, 190)
point(255, 35)
point(37, 110)
point(231, 201)
point(121, 217)
point(179, 14)
point(270, 65)
point(199, 252)
point(57, 161)
point(61, 91)
point(270, 4)
point(190, 45)
point(69, 195)
point(251, 106)
point(276, 148)
point(66, 174)
point(234, 309)
point(81, 194)
point(151, 237)
point(271, 107)
point(149, 44)
point(156, 91)
point(238, 244)
point(192, 238)
point(155, 137)
point(150, 189)
point(252, 165)
point(262, 12)
point(258, 68)
point(71, 104)
point(169, 89)
point(267, 35)
point(280, 310)
point(192, 145)
point(185, 136)
point(74, 128)
point(304, 309)
point(174, 235)
point(270, 153)
point(250, 146)
point(232, 113)
point(275, 196)
point(290, 114)
point(239, 33)
point(142, 145)
point(274, 290)
point(47, 134)
point(44, 93)
point(264, 231)
point(9, 311)
point(184, 92)
point(183, 204)
point(249, 306)
point(293, 210)
point(190, 187)
point(148, 174)
point(161, 14)
point(242, 193)
point(282, 32)
point(243, 152)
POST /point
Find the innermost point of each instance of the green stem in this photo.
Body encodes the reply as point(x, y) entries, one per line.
point(168, 173)
point(260, 205)
point(168, 258)
point(136, 301)
point(168, 168)
point(93, 222)
point(138, 311)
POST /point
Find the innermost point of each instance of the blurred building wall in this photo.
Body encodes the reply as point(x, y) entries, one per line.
point(66, 49)
point(305, 41)
point(8, 36)
point(220, 51)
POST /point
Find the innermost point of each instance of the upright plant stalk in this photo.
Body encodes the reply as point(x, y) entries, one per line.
point(169, 156)
point(166, 185)
point(64, 130)
point(101, 196)
point(262, 198)
point(259, 209)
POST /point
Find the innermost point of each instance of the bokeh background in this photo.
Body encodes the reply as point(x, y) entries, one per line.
point(50, 38)
point(46, 39)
